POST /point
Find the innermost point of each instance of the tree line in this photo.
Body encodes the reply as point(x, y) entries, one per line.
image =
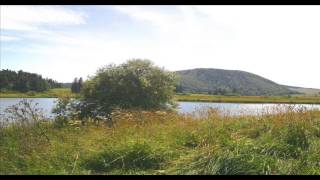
point(76, 85)
point(23, 82)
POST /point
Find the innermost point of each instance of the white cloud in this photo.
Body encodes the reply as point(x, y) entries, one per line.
point(29, 18)
point(8, 38)
point(160, 20)
point(186, 39)
point(279, 42)
point(181, 24)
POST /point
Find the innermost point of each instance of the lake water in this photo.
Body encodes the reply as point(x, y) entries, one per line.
point(184, 107)
point(46, 104)
point(241, 108)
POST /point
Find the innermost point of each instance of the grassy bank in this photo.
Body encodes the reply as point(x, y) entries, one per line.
point(52, 93)
point(249, 99)
point(167, 143)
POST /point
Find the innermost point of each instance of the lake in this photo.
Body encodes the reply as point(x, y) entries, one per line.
point(184, 107)
point(241, 108)
point(46, 104)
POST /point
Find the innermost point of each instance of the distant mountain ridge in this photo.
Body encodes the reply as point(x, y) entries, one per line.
point(306, 91)
point(66, 85)
point(219, 81)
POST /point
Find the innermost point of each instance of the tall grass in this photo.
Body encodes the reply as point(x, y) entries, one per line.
point(158, 142)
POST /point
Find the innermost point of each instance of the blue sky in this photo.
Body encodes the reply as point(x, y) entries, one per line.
point(62, 42)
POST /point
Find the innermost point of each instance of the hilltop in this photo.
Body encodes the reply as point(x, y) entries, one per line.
point(219, 81)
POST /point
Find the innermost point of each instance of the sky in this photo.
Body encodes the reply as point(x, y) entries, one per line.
point(281, 43)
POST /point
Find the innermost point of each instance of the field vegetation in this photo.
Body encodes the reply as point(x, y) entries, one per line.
point(51, 93)
point(248, 99)
point(124, 121)
point(163, 142)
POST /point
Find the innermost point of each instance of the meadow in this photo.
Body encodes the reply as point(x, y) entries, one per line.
point(165, 142)
point(51, 93)
point(297, 99)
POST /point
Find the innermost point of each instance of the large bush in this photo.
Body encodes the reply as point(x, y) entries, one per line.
point(134, 84)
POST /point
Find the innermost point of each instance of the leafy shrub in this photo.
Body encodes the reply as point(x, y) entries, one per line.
point(134, 84)
point(64, 111)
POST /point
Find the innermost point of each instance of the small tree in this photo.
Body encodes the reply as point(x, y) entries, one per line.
point(134, 84)
point(77, 85)
point(74, 85)
point(80, 84)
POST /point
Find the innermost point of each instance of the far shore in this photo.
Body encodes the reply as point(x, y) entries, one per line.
point(52, 93)
point(55, 93)
point(248, 99)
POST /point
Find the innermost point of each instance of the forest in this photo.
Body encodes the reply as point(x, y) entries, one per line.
point(24, 82)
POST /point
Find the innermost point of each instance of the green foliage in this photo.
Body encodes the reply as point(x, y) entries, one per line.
point(76, 85)
point(64, 111)
point(24, 82)
point(134, 84)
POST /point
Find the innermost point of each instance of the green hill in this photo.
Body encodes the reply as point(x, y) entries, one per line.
point(218, 81)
